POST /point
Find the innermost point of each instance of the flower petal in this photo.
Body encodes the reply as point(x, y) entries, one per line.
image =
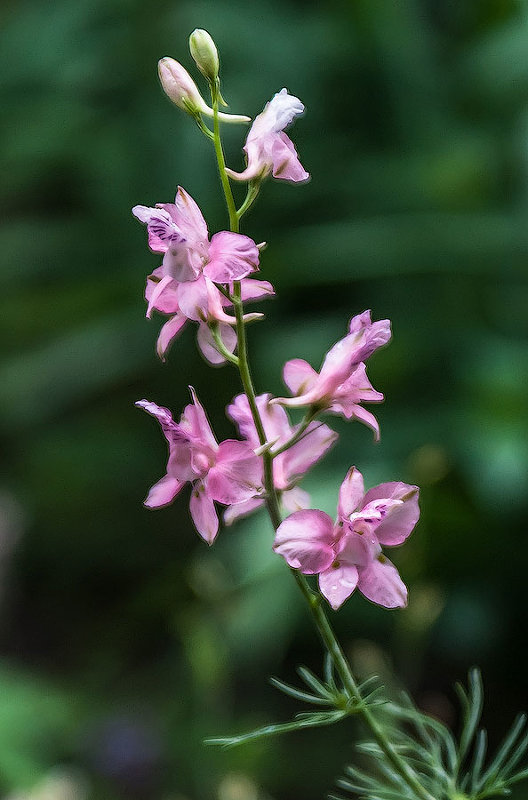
point(232, 256)
point(168, 333)
point(286, 164)
point(160, 226)
point(351, 493)
point(190, 219)
point(207, 344)
point(163, 492)
point(338, 583)
point(203, 513)
point(308, 450)
point(299, 376)
point(238, 510)
point(400, 518)
point(306, 541)
point(380, 582)
point(237, 474)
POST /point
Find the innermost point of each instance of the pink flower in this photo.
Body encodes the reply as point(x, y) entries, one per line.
point(342, 383)
point(179, 231)
point(225, 473)
point(202, 303)
point(288, 467)
point(268, 149)
point(184, 285)
point(347, 554)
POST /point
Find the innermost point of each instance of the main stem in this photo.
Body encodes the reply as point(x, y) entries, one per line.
point(313, 599)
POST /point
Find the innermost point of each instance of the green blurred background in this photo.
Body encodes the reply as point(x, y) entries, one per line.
point(124, 639)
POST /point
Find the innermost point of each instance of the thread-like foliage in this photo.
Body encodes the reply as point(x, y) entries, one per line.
point(447, 767)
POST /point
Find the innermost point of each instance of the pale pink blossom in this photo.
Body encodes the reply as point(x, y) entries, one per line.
point(226, 473)
point(347, 554)
point(288, 467)
point(184, 285)
point(268, 149)
point(342, 384)
point(179, 231)
point(203, 303)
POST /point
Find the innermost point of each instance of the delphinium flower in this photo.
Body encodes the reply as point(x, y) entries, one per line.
point(342, 383)
point(184, 285)
point(226, 473)
point(347, 554)
point(268, 149)
point(288, 466)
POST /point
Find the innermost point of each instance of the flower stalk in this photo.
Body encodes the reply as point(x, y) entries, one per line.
point(313, 599)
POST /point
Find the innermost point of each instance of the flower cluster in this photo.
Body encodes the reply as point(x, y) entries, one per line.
point(207, 279)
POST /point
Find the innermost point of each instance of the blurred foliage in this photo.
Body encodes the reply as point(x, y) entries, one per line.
point(125, 641)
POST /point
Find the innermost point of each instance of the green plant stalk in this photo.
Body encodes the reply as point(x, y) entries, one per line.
point(313, 599)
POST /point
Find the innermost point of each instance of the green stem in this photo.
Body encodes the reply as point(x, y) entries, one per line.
point(313, 599)
point(297, 436)
point(226, 186)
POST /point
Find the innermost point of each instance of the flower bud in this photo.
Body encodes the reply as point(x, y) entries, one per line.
point(205, 54)
point(180, 87)
point(182, 90)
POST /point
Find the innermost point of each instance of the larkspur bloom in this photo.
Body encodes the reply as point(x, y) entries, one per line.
point(268, 149)
point(342, 383)
point(288, 467)
point(182, 90)
point(347, 554)
point(184, 285)
point(226, 473)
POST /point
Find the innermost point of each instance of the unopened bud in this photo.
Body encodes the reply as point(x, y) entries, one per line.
point(182, 90)
point(180, 87)
point(205, 54)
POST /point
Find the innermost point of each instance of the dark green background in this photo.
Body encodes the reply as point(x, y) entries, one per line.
point(125, 640)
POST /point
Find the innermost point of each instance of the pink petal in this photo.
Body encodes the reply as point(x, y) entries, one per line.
point(338, 583)
point(360, 413)
point(232, 256)
point(401, 518)
point(237, 474)
point(286, 164)
point(167, 301)
point(163, 492)
point(193, 299)
point(351, 493)
point(376, 334)
point(380, 582)
point(295, 499)
point(305, 539)
point(155, 293)
point(238, 510)
point(203, 513)
point(194, 419)
point(160, 226)
point(299, 376)
point(190, 219)
point(252, 289)
point(168, 333)
point(207, 344)
point(307, 451)
point(180, 261)
point(163, 415)
point(239, 412)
